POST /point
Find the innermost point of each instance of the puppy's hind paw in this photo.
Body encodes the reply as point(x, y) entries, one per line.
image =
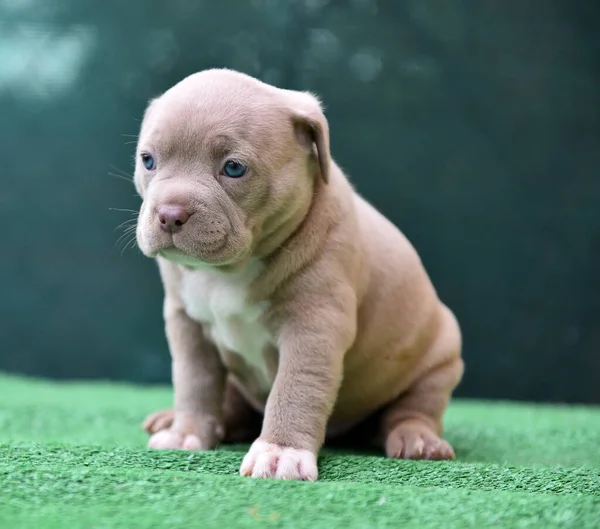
point(159, 420)
point(413, 441)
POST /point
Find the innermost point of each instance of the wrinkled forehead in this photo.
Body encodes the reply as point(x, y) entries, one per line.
point(213, 123)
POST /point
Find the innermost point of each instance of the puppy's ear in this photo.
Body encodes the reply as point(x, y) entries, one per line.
point(311, 128)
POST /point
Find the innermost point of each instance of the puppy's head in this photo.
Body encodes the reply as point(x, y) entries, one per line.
point(226, 167)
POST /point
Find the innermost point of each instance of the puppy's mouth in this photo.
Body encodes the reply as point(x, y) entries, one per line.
point(215, 256)
point(210, 255)
point(180, 257)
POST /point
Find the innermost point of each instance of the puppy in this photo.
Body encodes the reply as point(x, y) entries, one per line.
point(288, 298)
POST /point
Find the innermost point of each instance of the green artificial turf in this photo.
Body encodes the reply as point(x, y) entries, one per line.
point(73, 456)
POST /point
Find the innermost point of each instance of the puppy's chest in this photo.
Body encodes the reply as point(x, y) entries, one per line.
point(220, 303)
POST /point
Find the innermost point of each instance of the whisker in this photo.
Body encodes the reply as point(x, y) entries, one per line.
point(121, 177)
point(127, 221)
point(129, 242)
point(129, 229)
point(130, 135)
point(119, 173)
point(134, 243)
point(124, 210)
point(127, 232)
point(123, 238)
point(125, 224)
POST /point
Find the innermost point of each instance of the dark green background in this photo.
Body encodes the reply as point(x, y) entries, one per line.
point(473, 125)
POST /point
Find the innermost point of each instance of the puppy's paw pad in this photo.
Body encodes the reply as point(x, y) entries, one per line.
point(174, 440)
point(159, 420)
point(414, 443)
point(267, 460)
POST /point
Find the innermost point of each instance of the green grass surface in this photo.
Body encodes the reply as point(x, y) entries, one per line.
point(73, 456)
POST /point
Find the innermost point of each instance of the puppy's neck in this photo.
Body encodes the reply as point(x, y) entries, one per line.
point(303, 243)
point(280, 228)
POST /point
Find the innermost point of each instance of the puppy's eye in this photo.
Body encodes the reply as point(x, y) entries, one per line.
point(234, 169)
point(148, 161)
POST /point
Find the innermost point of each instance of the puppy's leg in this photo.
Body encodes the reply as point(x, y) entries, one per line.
point(198, 382)
point(241, 422)
point(311, 355)
point(412, 425)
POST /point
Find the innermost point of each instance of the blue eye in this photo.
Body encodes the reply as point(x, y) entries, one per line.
point(148, 161)
point(234, 169)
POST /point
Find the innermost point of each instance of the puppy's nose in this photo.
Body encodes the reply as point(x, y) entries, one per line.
point(172, 218)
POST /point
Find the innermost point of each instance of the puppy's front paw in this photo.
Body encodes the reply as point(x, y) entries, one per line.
point(267, 460)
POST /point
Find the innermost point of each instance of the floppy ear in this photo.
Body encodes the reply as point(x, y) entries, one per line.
point(312, 129)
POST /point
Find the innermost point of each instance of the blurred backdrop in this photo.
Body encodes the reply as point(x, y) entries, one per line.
point(475, 126)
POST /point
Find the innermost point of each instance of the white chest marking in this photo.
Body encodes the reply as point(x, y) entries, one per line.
point(220, 302)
